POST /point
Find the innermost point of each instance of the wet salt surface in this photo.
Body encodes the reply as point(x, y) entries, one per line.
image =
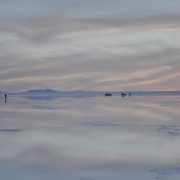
point(90, 138)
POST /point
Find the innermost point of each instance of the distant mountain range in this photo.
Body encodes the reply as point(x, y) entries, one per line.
point(51, 91)
point(79, 92)
point(41, 91)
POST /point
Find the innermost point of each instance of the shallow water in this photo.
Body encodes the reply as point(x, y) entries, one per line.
point(90, 138)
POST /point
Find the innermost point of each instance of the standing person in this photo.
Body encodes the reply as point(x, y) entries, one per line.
point(5, 97)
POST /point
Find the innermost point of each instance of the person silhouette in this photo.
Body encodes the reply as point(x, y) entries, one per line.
point(5, 96)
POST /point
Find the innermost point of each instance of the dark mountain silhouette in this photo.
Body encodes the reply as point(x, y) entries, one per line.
point(41, 91)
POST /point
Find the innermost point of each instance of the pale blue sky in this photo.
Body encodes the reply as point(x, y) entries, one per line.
point(108, 45)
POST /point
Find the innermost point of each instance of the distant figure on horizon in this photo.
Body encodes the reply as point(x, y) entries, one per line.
point(5, 96)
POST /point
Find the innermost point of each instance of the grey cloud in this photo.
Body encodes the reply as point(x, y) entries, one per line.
point(88, 67)
point(43, 28)
point(47, 159)
point(94, 3)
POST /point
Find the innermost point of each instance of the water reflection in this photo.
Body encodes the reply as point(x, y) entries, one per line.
point(90, 138)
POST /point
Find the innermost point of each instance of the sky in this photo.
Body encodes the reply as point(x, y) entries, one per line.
point(104, 45)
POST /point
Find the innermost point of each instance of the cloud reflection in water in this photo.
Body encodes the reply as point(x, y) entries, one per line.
point(89, 138)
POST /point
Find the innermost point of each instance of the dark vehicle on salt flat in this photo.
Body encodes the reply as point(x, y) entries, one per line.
point(108, 94)
point(123, 94)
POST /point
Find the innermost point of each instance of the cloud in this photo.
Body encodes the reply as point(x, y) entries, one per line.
point(49, 160)
point(88, 45)
point(50, 24)
point(45, 28)
point(89, 71)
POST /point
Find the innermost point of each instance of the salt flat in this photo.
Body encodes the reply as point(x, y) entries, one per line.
point(90, 138)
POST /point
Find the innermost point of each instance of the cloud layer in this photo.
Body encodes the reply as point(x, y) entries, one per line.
point(104, 45)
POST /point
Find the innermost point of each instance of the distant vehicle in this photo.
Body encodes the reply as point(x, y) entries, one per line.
point(123, 94)
point(108, 94)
